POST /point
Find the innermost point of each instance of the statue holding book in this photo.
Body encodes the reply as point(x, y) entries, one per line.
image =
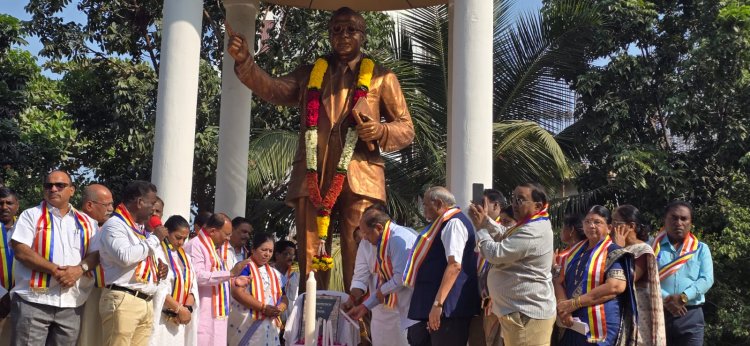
point(351, 110)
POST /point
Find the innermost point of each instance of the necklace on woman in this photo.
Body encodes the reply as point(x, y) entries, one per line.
point(580, 271)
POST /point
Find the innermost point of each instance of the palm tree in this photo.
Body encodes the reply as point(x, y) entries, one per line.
point(531, 54)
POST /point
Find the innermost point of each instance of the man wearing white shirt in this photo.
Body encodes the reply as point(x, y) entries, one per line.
point(96, 202)
point(237, 245)
point(442, 269)
point(53, 248)
point(130, 270)
point(389, 298)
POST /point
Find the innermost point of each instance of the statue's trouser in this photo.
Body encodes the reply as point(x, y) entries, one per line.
point(349, 209)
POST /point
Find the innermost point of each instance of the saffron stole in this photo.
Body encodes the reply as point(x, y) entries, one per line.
point(44, 245)
point(183, 272)
point(422, 246)
point(594, 277)
point(384, 266)
point(689, 248)
point(145, 271)
point(257, 291)
point(219, 292)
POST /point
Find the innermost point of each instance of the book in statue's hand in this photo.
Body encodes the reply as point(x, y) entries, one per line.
point(362, 114)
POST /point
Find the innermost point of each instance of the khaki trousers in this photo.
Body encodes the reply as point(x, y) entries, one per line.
point(520, 330)
point(485, 330)
point(126, 320)
point(6, 335)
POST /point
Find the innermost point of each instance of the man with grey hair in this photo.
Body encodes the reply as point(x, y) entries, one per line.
point(442, 270)
point(97, 202)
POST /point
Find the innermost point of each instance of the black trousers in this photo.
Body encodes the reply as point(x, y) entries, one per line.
point(686, 330)
point(452, 332)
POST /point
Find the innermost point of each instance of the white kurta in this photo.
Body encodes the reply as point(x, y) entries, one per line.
point(385, 326)
point(168, 333)
point(290, 282)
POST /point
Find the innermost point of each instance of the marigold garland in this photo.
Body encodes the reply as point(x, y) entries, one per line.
point(322, 263)
point(324, 204)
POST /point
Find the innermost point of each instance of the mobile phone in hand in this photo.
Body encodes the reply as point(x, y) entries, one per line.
point(477, 194)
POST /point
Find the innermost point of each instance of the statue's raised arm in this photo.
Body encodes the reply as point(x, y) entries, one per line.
point(333, 167)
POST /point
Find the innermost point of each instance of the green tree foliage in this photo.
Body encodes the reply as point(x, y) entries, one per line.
point(37, 134)
point(663, 116)
point(109, 67)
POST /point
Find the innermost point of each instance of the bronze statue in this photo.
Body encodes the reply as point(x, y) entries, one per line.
point(385, 122)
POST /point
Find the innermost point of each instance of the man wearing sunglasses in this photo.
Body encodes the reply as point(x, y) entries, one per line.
point(51, 246)
point(388, 127)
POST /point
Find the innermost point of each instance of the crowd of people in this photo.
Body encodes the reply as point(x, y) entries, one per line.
point(106, 274)
point(494, 277)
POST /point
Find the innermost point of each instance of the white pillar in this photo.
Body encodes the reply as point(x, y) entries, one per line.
point(470, 97)
point(234, 118)
point(172, 170)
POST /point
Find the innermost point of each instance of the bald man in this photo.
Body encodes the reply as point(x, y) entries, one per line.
point(97, 202)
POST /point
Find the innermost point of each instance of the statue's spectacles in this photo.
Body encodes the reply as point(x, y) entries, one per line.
point(339, 29)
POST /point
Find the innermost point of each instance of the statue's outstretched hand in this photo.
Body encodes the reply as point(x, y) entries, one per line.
point(237, 46)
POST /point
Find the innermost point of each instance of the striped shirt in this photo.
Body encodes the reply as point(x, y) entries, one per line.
point(520, 279)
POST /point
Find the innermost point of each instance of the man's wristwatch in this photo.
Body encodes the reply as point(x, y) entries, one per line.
point(683, 298)
point(437, 304)
point(84, 266)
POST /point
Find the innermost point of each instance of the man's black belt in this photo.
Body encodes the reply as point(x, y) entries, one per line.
point(134, 293)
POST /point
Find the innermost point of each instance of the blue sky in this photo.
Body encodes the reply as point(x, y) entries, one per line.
point(70, 13)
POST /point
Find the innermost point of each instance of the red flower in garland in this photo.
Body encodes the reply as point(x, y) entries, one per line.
point(313, 107)
point(334, 190)
point(312, 187)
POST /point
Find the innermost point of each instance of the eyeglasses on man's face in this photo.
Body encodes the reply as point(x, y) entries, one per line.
point(518, 201)
point(110, 204)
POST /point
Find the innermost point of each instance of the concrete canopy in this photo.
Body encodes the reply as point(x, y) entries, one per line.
point(359, 5)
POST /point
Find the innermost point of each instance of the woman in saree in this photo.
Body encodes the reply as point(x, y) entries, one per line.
point(175, 306)
point(630, 233)
point(594, 288)
point(256, 308)
point(571, 234)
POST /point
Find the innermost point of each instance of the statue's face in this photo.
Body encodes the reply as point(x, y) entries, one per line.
point(346, 36)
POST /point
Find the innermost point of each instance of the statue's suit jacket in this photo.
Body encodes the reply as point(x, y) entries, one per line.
point(385, 99)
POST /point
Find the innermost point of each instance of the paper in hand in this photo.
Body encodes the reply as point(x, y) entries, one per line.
point(579, 326)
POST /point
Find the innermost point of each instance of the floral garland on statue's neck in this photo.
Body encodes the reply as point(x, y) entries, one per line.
point(323, 261)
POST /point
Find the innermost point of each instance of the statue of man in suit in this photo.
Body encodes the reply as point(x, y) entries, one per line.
point(388, 127)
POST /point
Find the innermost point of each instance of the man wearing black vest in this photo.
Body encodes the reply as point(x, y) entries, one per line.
point(442, 270)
